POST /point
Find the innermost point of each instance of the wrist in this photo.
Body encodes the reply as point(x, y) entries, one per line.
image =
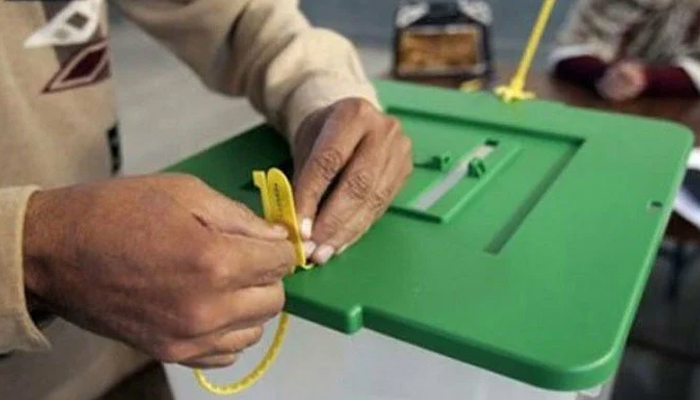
point(312, 123)
point(35, 248)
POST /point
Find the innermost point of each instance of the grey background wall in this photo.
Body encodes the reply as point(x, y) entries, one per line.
point(369, 21)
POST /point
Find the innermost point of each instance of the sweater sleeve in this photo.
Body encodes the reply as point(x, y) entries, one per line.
point(689, 62)
point(262, 49)
point(17, 331)
point(599, 28)
point(662, 80)
point(669, 80)
point(582, 70)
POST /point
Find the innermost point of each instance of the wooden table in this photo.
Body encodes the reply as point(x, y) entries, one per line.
point(684, 111)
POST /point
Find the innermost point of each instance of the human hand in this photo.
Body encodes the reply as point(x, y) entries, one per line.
point(357, 158)
point(161, 262)
point(625, 80)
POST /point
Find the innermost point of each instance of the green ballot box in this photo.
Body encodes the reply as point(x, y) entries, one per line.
point(519, 247)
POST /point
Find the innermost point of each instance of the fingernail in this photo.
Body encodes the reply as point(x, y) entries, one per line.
point(305, 229)
point(280, 230)
point(323, 254)
point(309, 248)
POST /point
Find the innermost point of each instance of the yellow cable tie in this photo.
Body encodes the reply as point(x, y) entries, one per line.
point(258, 372)
point(278, 207)
point(516, 89)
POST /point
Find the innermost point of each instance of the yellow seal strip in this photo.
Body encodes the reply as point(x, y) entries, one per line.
point(278, 207)
point(516, 89)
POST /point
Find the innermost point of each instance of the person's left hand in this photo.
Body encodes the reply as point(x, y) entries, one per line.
point(350, 161)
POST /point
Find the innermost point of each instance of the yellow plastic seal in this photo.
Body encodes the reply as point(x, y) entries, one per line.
point(278, 207)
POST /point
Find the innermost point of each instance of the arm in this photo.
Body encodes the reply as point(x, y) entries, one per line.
point(309, 84)
point(656, 81)
point(661, 81)
point(262, 49)
point(17, 330)
point(95, 254)
point(599, 29)
point(588, 49)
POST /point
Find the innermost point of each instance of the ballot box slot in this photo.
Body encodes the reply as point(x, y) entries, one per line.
point(446, 181)
point(524, 209)
point(484, 178)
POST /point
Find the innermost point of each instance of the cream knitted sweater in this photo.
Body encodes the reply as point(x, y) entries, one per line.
point(57, 112)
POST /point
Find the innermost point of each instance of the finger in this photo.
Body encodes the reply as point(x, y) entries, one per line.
point(395, 173)
point(220, 313)
point(357, 183)
point(233, 217)
point(214, 210)
point(218, 361)
point(330, 154)
point(235, 341)
point(259, 262)
point(220, 347)
point(355, 187)
point(233, 262)
point(253, 307)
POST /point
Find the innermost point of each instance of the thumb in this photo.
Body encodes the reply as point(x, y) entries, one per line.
point(232, 217)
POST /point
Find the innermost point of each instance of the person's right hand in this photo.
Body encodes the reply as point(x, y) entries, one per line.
point(161, 262)
point(623, 81)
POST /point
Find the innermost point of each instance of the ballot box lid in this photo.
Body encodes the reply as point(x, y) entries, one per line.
point(520, 244)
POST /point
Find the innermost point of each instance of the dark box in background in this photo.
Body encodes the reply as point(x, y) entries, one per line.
point(445, 39)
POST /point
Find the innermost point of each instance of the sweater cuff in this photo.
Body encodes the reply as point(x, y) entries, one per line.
point(562, 53)
point(669, 80)
point(692, 68)
point(17, 330)
point(584, 70)
point(322, 91)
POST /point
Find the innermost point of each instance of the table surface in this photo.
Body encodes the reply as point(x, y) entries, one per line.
point(682, 110)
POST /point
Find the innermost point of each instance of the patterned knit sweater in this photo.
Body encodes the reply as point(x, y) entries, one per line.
point(58, 126)
point(663, 34)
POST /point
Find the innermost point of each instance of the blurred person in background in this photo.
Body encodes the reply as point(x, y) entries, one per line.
point(161, 266)
point(626, 49)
